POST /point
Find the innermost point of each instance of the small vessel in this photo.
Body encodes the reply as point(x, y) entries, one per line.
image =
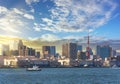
point(34, 68)
point(85, 65)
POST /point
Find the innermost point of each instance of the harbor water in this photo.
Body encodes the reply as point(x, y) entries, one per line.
point(61, 76)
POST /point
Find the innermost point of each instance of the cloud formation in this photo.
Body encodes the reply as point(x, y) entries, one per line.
point(12, 21)
point(78, 15)
point(46, 37)
point(29, 2)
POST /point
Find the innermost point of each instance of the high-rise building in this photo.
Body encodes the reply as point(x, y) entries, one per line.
point(65, 50)
point(37, 54)
point(13, 44)
point(83, 56)
point(69, 50)
point(52, 50)
point(104, 51)
point(79, 47)
point(21, 48)
point(48, 51)
point(73, 51)
point(4, 50)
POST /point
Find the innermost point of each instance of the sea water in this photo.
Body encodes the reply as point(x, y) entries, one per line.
point(61, 76)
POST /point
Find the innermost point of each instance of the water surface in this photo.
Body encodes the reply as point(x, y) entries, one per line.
point(61, 76)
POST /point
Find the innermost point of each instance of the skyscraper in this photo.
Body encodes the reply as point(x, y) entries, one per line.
point(52, 50)
point(73, 51)
point(65, 50)
point(79, 47)
point(4, 50)
point(48, 51)
point(13, 44)
point(104, 51)
point(69, 50)
point(21, 48)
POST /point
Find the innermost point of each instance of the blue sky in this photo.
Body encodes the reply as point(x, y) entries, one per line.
point(60, 19)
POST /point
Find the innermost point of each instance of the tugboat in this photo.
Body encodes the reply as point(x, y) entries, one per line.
point(34, 68)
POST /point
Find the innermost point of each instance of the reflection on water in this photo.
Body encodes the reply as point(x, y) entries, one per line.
point(61, 76)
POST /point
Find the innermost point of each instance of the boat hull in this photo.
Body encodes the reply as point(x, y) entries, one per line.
point(29, 69)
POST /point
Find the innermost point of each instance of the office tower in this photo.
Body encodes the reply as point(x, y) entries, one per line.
point(114, 53)
point(4, 50)
point(52, 50)
point(73, 51)
point(21, 48)
point(37, 54)
point(65, 50)
point(48, 51)
point(13, 44)
point(25, 51)
point(104, 51)
point(70, 50)
point(33, 52)
point(83, 56)
point(79, 47)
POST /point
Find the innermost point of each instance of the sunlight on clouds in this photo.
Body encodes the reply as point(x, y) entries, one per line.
point(13, 21)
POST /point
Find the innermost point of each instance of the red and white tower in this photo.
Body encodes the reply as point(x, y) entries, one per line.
point(88, 47)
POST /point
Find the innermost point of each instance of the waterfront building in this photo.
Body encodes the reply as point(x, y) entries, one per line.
point(73, 51)
point(114, 53)
point(10, 62)
point(48, 51)
point(37, 54)
point(14, 52)
point(52, 50)
point(13, 45)
point(104, 51)
point(83, 56)
point(4, 50)
point(79, 47)
point(21, 48)
point(65, 50)
point(70, 50)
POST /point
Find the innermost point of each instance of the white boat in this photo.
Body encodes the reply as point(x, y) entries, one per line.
point(85, 65)
point(34, 68)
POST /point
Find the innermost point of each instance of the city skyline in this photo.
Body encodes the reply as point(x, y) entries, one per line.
point(53, 20)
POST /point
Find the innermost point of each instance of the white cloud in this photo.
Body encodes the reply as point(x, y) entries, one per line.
point(3, 10)
point(32, 39)
point(29, 2)
point(49, 37)
point(79, 15)
point(23, 13)
point(18, 11)
point(28, 16)
point(13, 21)
point(73, 37)
point(37, 29)
point(45, 37)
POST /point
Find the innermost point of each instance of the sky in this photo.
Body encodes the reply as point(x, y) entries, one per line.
point(60, 19)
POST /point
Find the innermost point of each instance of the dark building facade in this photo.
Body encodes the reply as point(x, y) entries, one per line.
point(37, 54)
point(73, 50)
point(70, 50)
point(48, 51)
point(104, 51)
point(65, 50)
